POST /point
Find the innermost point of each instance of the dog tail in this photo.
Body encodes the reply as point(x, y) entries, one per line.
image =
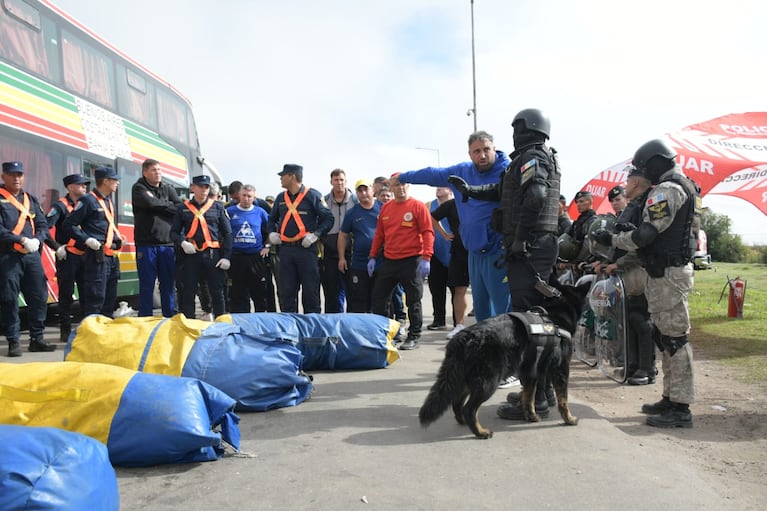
point(449, 385)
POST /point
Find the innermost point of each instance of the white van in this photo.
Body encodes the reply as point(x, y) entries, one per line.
point(701, 259)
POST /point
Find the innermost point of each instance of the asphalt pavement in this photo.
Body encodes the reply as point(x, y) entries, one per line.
point(357, 444)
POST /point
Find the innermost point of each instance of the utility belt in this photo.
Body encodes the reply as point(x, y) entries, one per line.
point(656, 264)
point(291, 243)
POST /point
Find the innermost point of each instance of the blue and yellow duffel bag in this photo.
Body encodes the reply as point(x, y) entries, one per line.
point(56, 470)
point(259, 372)
point(143, 419)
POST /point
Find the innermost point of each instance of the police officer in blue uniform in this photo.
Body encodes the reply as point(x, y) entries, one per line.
point(92, 225)
point(68, 263)
point(202, 232)
point(22, 229)
point(298, 219)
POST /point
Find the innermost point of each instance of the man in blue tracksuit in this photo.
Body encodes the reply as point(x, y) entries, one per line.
point(490, 290)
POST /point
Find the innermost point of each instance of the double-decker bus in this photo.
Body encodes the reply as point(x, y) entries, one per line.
point(71, 102)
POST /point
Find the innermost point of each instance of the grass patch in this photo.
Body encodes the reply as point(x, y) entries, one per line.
point(739, 343)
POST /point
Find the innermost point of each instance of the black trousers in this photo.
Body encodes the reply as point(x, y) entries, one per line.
point(359, 287)
point(438, 288)
point(521, 273)
point(400, 271)
point(248, 274)
point(202, 266)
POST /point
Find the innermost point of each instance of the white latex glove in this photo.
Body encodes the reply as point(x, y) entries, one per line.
point(61, 253)
point(93, 243)
point(223, 263)
point(309, 240)
point(187, 247)
point(31, 245)
point(274, 238)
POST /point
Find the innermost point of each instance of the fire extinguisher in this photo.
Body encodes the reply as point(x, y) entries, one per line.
point(737, 297)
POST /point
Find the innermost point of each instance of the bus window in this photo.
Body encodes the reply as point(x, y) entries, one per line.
point(129, 173)
point(86, 71)
point(21, 38)
point(42, 170)
point(172, 117)
point(135, 97)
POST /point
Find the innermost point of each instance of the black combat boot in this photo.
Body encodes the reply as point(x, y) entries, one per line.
point(14, 349)
point(641, 377)
point(658, 407)
point(678, 416)
point(65, 330)
point(39, 344)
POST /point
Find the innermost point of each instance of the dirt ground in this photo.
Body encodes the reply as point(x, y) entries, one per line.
point(728, 443)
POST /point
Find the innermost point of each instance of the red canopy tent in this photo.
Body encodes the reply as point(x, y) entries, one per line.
point(725, 156)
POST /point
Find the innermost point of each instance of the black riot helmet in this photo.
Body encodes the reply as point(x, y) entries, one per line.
point(532, 119)
point(654, 158)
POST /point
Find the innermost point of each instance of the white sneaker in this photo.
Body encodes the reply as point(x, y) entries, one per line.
point(509, 381)
point(455, 330)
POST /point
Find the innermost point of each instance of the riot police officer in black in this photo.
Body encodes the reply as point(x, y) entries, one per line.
point(528, 219)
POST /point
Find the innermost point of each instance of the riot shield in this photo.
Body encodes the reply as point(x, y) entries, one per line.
point(607, 299)
point(584, 341)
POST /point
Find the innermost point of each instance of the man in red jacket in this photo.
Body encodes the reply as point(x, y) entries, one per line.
point(405, 233)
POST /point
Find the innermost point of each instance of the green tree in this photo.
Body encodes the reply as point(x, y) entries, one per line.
point(722, 244)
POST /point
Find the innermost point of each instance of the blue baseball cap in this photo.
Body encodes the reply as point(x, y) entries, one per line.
point(201, 180)
point(76, 179)
point(292, 168)
point(106, 173)
point(13, 167)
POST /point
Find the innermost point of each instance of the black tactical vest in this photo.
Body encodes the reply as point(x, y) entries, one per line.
point(676, 245)
point(511, 203)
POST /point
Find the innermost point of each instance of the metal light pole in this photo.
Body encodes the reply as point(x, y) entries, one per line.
point(439, 164)
point(473, 69)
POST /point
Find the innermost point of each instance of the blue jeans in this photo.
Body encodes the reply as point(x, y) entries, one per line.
point(156, 263)
point(489, 287)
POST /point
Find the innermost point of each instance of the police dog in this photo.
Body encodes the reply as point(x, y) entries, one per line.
point(479, 356)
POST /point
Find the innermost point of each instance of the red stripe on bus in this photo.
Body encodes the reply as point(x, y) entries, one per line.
point(168, 169)
point(42, 122)
point(38, 130)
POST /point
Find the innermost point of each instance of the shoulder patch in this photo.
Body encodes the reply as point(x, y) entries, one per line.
point(658, 210)
point(528, 165)
point(655, 199)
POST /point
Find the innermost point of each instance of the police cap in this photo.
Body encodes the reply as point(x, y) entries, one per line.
point(105, 173)
point(76, 179)
point(292, 168)
point(13, 167)
point(201, 180)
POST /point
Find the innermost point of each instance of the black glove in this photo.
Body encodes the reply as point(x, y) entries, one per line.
point(625, 227)
point(604, 237)
point(519, 250)
point(460, 185)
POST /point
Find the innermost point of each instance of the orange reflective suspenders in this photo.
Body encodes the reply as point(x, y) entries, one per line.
point(199, 221)
point(71, 243)
point(111, 229)
point(24, 214)
point(293, 213)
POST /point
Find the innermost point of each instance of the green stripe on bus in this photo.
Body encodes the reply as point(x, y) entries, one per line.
point(37, 88)
point(148, 136)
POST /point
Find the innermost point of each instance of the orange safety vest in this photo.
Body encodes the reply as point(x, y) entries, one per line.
point(293, 213)
point(111, 229)
point(71, 243)
point(24, 214)
point(199, 221)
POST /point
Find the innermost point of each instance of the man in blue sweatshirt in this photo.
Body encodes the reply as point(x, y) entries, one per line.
point(490, 290)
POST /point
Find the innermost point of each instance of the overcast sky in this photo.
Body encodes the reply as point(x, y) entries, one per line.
point(361, 84)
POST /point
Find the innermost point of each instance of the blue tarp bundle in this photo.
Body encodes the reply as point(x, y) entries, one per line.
point(329, 341)
point(143, 419)
point(261, 372)
point(53, 469)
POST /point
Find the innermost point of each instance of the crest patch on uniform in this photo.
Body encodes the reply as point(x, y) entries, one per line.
point(658, 210)
point(408, 216)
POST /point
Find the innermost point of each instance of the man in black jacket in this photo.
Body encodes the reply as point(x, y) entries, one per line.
point(154, 206)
